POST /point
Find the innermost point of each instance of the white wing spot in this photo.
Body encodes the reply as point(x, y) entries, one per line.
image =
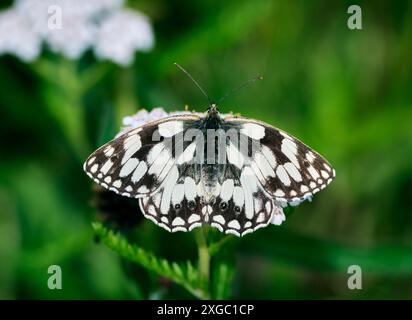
point(170, 128)
point(178, 193)
point(258, 204)
point(253, 130)
point(190, 188)
point(293, 171)
point(188, 154)
point(139, 172)
point(263, 165)
point(226, 191)
point(152, 210)
point(106, 167)
point(143, 189)
point(234, 224)
point(269, 156)
point(238, 196)
point(94, 168)
point(178, 222)
point(315, 175)
point(261, 217)
point(131, 147)
point(268, 206)
point(310, 156)
point(91, 161)
point(324, 174)
point(168, 189)
point(128, 167)
point(108, 152)
point(234, 156)
point(283, 176)
point(154, 153)
point(290, 150)
point(193, 218)
point(219, 218)
point(160, 162)
point(117, 184)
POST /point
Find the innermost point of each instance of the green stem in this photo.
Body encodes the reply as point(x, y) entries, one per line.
point(214, 247)
point(64, 99)
point(204, 263)
point(127, 102)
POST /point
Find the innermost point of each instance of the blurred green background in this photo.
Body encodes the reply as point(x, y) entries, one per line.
point(346, 93)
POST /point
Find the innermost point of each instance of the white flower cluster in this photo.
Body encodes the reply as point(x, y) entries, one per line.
point(70, 27)
point(143, 116)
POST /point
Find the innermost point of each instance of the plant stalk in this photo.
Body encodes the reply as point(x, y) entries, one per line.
point(204, 263)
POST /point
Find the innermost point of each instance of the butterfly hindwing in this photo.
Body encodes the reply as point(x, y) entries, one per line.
point(241, 205)
point(176, 206)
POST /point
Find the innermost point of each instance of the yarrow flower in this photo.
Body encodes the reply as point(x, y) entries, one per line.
point(70, 27)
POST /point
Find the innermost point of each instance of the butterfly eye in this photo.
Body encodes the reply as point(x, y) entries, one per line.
point(191, 205)
point(237, 209)
point(223, 206)
point(177, 206)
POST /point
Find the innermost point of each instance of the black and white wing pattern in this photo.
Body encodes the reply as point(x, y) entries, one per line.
point(235, 203)
point(136, 163)
point(286, 168)
point(182, 185)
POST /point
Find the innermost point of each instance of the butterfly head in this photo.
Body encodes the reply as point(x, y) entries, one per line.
point(213, 109)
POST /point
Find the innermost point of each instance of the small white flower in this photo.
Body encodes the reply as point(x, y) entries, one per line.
point(278, 216)
point(114, 33)
point(74, 38)
point(140, 118)
point(121, 34)
point(17, 36)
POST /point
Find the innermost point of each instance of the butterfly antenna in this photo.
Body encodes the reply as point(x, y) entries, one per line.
point(194, 81)
point(239, 87)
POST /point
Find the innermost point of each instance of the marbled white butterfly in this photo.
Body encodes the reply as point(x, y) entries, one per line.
point(231, 172)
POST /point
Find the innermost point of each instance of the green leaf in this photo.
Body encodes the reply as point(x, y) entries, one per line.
point(183, 274)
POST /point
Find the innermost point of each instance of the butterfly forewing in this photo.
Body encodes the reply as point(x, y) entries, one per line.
point(136, 163)
point(286, 168)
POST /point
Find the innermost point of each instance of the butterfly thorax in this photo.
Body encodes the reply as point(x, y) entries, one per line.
point(212, 119)
point(208, 168)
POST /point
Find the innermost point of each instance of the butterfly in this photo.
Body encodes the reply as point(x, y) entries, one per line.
point(231, 172)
